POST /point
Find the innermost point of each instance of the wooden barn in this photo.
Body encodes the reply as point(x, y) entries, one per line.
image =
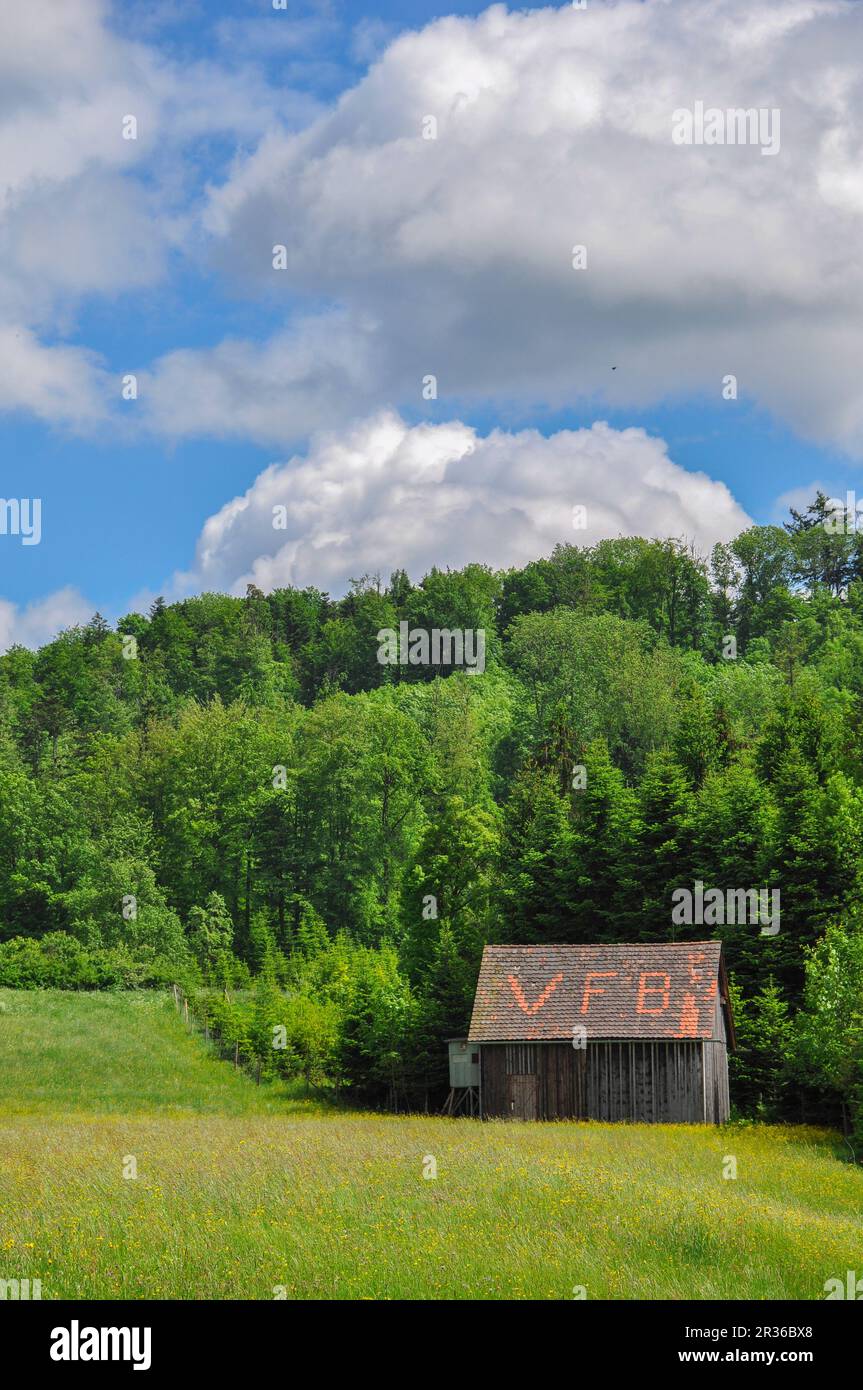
point(603, 1033)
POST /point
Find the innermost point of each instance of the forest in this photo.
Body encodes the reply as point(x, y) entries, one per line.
point(235, 794)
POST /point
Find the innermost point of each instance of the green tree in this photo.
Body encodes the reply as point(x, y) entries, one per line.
point(452, 885)
point(664, 853)
point(829, 1028)
point(602, 897)
point(760, 1066)
point(535, 854)
point(211, 932)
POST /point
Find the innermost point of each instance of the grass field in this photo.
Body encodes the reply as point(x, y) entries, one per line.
point(245, 1190)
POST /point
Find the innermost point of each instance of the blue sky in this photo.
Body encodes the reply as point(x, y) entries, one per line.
point(254, 121)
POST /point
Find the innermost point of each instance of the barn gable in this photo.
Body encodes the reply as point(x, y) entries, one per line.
point(543, 993)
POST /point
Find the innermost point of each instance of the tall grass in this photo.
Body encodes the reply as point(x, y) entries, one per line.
point(243, 1192)
point(117, 1052)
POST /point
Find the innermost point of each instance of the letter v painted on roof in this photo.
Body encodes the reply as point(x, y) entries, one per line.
point(538, 1003)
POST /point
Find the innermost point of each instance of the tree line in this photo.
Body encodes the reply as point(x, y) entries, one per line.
point(235, 792)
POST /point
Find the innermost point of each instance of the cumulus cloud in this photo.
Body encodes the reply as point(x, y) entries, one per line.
point(38, 622)
point(384, 495)
point(453, 255)
point(55, 383)
point(84, 211)
point(314, 371)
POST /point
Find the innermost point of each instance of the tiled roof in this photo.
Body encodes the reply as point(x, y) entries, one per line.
point(526, 993)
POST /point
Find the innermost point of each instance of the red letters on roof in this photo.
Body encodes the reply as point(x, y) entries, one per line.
point(667, 990)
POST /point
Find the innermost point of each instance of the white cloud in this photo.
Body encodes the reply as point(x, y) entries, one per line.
point(314, 371)
point(40, 621)
point(453, 256)
point(383, 495)
point(58, 383)
point(84, 211)
point(799, 498)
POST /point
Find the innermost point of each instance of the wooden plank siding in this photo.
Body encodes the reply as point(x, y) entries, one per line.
point(670, 1082)
point(717, 1099)
point(560, 1081)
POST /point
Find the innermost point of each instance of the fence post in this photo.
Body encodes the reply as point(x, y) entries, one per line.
point(185, 1011)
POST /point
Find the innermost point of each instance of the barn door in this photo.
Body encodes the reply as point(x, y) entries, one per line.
point(523, 1097)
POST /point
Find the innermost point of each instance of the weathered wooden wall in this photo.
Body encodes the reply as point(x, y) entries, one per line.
point(717, 1100)
point(674, 1081)
point(658, 1082)
point(539, 1081)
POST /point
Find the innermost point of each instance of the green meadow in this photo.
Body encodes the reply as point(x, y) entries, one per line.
point(257, 1192)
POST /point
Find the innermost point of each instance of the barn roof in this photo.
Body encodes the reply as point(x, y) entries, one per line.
point(528, 993)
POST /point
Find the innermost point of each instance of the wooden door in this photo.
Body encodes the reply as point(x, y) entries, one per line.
point(523, 1097)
